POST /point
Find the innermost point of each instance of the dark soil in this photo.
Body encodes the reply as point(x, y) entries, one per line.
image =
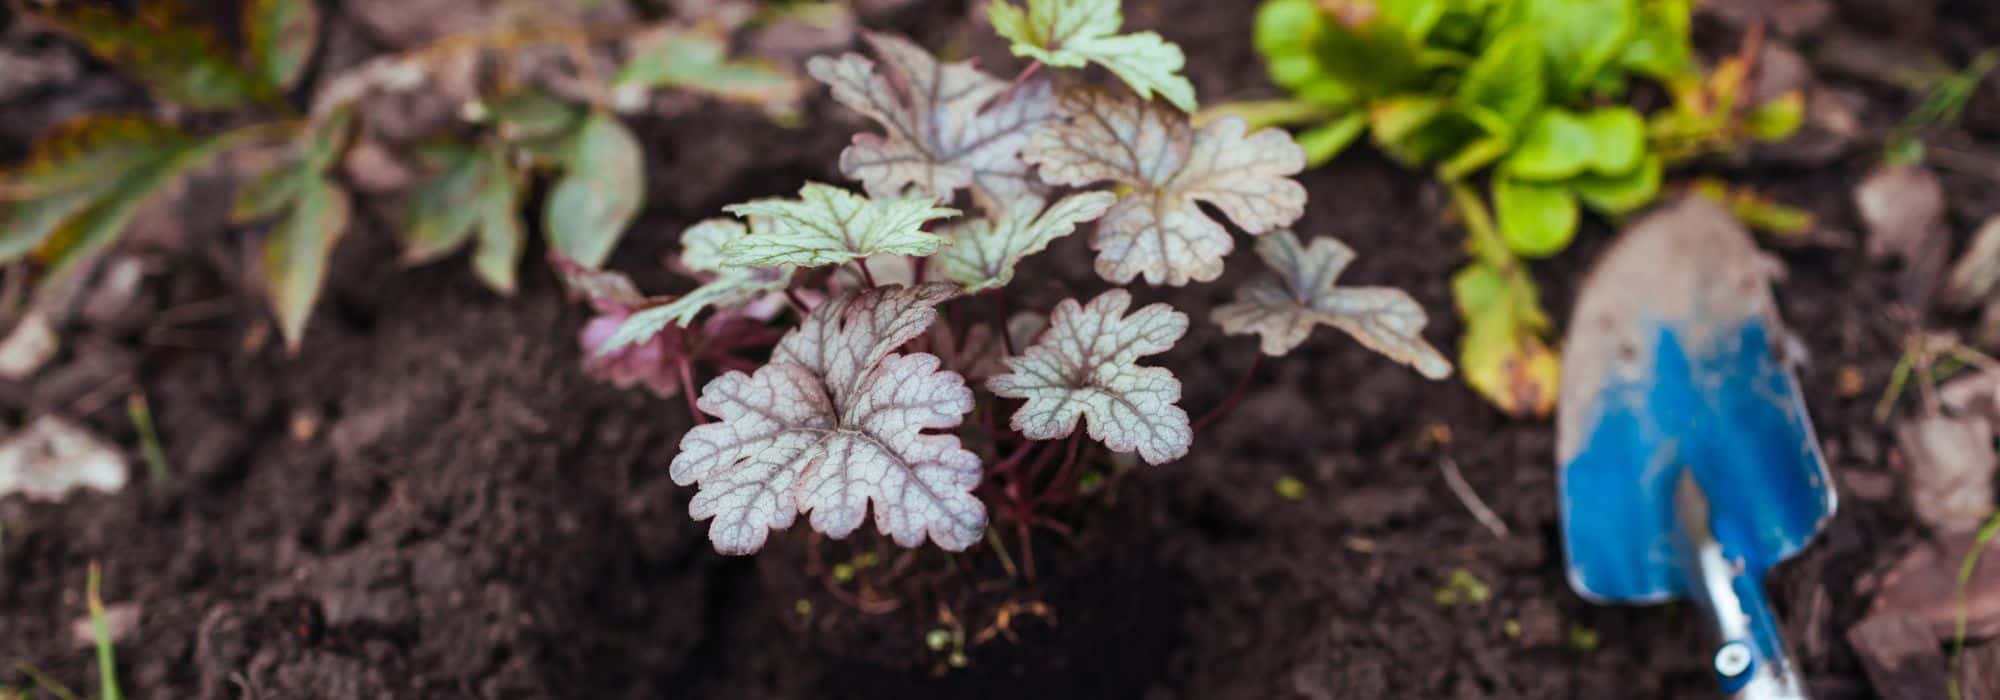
point(431, 500)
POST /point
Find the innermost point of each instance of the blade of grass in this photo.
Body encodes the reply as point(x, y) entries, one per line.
point(44, 681)
point(141, 414)
point(1965, 569)
point(100, 627)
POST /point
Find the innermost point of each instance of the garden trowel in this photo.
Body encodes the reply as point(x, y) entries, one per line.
point(1687, 464)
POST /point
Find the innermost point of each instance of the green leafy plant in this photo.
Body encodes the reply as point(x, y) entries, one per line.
point(1515, 105)
point(86, 181)
point(886, 391)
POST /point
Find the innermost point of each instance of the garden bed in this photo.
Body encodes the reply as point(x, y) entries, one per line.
point(431, 500)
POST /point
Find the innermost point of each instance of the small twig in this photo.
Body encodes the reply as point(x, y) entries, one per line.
point(1465, 495)
point(1000, 550)
point(1235, 396)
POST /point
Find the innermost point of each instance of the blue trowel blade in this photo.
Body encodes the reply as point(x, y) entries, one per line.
point(1673, 363)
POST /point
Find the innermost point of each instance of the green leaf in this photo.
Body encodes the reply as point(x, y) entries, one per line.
point(182, 63)
point(326, 138)
point(1327, 140)
point(1470, 159)
point(1661, 47)
point(90, 220)
point(1775, 120)
point(600, 190)
point(440, 213)
point(1072, 33)
point(1395, 119)
point(295, 254)
point(1579, 37)
point(532, 115)
point(1502, 354)
point(1557, 145)
point(501, 240)
point(1374, 57)
point(1537, 218)
point(983, 253)
point(1285, 33)
point(698, 60)
point(1506, 79)
point(828, 225)
point(1618, 195)
point(267, 194)
point(280, 35)
point(1618, 139)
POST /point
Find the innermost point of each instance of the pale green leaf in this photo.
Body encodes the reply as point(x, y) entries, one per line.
point(1072, 33)
point(983, 252)
point(828, 225)
point(296, 253)
point(280, 35)
point(1618, 139)
point(439, 214)
point(1536, 218)
point(599, 192)
point(698, 60)
point(1283, 308)
point(497, 254)
point(1158, 229)
point(1085, 366)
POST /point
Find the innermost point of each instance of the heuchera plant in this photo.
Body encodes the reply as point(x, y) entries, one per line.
point(1524, 95)
point(871, 401)
point(84, 183)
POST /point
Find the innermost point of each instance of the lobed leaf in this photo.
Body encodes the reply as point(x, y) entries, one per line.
point(1073, 33)
point(1157, 229)
point(601, 188)
point(983, 252)
point(1085, 366)
point(1302, 294)
point(947, 126)
point(834, 424)
point(828, 225)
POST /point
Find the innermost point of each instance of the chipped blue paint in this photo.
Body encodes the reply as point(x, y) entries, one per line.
point(1729, 411)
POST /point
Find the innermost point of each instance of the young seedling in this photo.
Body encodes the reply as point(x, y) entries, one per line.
point(888, 395)
point(87, 181)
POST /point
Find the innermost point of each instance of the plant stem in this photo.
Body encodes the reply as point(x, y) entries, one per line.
point(798, 304)
point(1235, 395)
point(1000, 321)
point(1060, 485)
point(1013, 459)
point(867, 277)
point(688, 389)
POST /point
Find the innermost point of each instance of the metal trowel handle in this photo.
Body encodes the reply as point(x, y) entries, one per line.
point(1750, 662)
